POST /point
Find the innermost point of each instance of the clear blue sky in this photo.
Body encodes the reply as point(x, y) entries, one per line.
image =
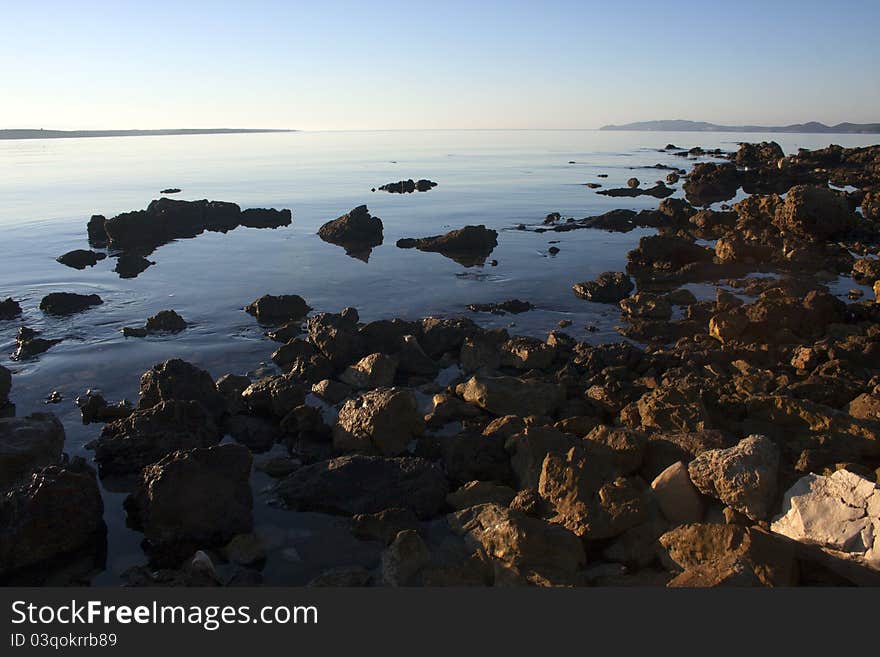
point(441, 64)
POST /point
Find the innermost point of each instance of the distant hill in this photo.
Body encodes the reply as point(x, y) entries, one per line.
point(702, 126)
point(67, 134)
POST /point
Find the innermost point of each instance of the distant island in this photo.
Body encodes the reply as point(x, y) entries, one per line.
point(702, 126)
point(69, 134)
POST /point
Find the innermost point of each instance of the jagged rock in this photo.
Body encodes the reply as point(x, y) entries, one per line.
point(94, 408)
point(526, 353)
point(196, 498)
point(80, 258)
point(710, 183)
point(57, 511)
point(743, 476)
point(480, 492)
point(179, 380)
point(609, 287)
point(468, 246)
point(815, 213)
point(147, 435)
point(373, 371)
point(167, 321)
point(840, 513)
point(678, 499)
point(438, 335)
point(385, 420)
point(272, 309)
point(366, 484)
point(68, 303)
point(357, 232)
point(507, 395)
point(28, 443)
point(29, 345)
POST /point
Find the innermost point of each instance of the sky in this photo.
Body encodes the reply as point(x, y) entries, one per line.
point(445, 64)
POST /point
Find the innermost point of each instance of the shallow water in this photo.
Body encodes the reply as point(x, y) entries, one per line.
point(48, 189)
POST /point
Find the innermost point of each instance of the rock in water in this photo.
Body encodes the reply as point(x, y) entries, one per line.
point(840, 512)
point(266, 218)
point(385, 420)
point(408, 186)
point(80, 258)
point(9, 309)
point(27, 443)
point(194, 499)
point(272, 309)
point(609, 287)
point(468, 246)
point(67, 303)
point(357, 232)
point(178, 380)
point(743, 476)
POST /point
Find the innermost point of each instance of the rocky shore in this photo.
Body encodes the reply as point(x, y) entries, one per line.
point(732, 441)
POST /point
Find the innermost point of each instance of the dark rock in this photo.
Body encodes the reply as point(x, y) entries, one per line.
point(438, 336)
point(271, 309)
point(815, 213)
point(256, 433)
point(28, 443)
point(131, 265)
point(710, 183)
point(383, 421)
point(513, 306)
point(275, 396)
point(230, 387)
point(67, 303)
point(507, 395)
point(170, 190)
point(765, 154)
point(80, 258)
point(265, 218)
point(609, 287)
point(356, 484)
point(468, 246)
point(659, 190)
point(178, 380)
point(383, 526)
point(408, 186)
point(95, 228)
point(94, 408)
point(29, 345)
point(357, 232)
point(9, 309)
point(166, 321)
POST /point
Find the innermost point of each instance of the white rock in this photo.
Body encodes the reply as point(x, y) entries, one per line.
point(840, 512)
point(676, 495)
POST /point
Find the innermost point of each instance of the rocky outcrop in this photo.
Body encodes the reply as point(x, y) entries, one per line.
point(468, 246)
point(68, 303)
point(710, 183)
point(383, 421)
point(357, 232)
point(265, 218)
point(177, 380)
point(814, 213)
point(28, 443)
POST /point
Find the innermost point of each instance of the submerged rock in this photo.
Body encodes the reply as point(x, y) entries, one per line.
point(80, 258)
point(28, 443)
point(68, 303)
point(357, 232)
point(468, 246)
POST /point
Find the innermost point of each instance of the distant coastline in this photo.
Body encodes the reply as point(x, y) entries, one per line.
point(72, 134)
point(812, 127)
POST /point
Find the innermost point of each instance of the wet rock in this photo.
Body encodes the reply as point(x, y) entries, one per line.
point(147, 435)
point(265, 218)
point(68, 303)
point(357, 232)
point(366, 484)
point(28, 443)
point(480, 492)
point(56, 512)
point(179, 380)
point(468, 246)
point(513, 306)
point(28, 345)
point(96, 233)
point(80, 258)
point(385, 421)
point(743, 476)
point(866, 270)
point(815, 213)
point(609, 287)
point(272, 309)
point(507, 395)
point(193, 499)
point(715, 555)
point(678, 499)
point(373, 371)
point(165, 321)
point(274, 396)
point(94, 408)
point(840, 513)
point(710, 183)
point(285, 332)
point(131, 265)
point(408, 186)
point(519, 540)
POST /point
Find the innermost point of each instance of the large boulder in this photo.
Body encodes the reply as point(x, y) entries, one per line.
point(372, 371)
point(28, 443)
point(278, 309)
point(468, 246)
point(840, 513)
point(357, 483)
point(763, 154)
point(744, 476)
point(383, 421)
point(193, 499)
point(678, 499)
point(608, 287)
point(357, 231)
point(147, 435)
point(814, 213)
point(58, 510)
point(508, 395)
point(275, 396)
point(181, 381)
point(68, 303)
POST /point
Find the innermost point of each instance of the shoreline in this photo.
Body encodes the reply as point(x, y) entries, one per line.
point(24, 134)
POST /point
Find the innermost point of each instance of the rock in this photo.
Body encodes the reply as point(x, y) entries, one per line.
point(483, 351)
point(29, 345)
point(609, 287)
point(529, 502)
point(271, 309)
point(28, 443)
point(633, 182)
point(9, 309)
point(659, 190)
point(412, 359)
point(245, 549)
point(438, 335)
point(622, 448)
point(80, 258)
point(866, 270)
point(179, 380)
point(131, 265)
point(357, 232)
point(343, 576)
point(815, 213)
point(507, 395)
point(170, 190)
point(764, 154)
point(274, 396)
point(672, 178)
point(7, 408)
point(646, 305)
point(147, 435)
point(96, 233)
point(513, 306)
point(231, 387)
point(366, 484)
point(190, 499)
point(94, 408)
point(382, 421)
point(336, 336)
point(447, 408)
point(468, 246)
point(373, 371)
point(408, 186)
point(519, 540)
point(470, 456)
point(505, 426)
point(68, 303)
point(57, 511)
point(840, 513)
point(710, 183)
point(256, 433)
point(743, 476)
point(480, 492)
point(865, 407)
point(678, 499)
point(674, 409)
point(331, 392)
point(265, 218)
point(383, 526)
point(715, 554)
point(404, 559)
point(529, 448)
point(526, 353)
point(665, 254)
point(165, 321)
